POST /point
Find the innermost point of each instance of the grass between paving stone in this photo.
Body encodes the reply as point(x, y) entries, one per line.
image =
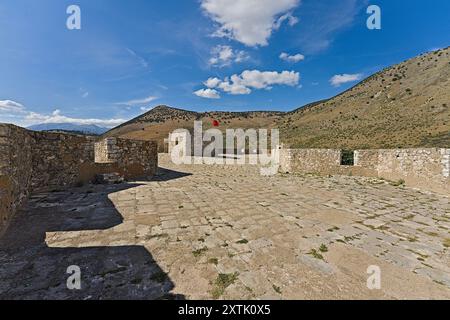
point(446, 243)
point(398, 183)
point(223, 281)
point(197, 253)
point(277, 289)
point(315, 254)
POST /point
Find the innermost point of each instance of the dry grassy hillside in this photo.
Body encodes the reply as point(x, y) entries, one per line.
point(406, 105)
point(160, 121)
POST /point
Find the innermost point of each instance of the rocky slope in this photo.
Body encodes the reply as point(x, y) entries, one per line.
point(406, 105)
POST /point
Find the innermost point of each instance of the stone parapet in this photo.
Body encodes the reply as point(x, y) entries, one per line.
point(37, 161)
point(426, 168)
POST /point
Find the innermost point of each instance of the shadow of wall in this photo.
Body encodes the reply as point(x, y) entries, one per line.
point(30, 269)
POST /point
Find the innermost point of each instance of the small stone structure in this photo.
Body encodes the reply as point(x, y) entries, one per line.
point(422, 168)
point(133, 156)
point(41, 161)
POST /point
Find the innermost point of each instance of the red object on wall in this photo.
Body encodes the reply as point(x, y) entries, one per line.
point(216, 123)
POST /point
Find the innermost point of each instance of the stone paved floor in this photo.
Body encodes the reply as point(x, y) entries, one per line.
point(201, 232)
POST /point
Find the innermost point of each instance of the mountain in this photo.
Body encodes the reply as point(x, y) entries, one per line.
point(69, 127)
point(406, 105)
point(161, 120)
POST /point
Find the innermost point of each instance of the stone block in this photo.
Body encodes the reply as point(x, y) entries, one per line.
point(109, 178)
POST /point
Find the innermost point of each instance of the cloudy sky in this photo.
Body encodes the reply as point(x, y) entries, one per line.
point(201, 55)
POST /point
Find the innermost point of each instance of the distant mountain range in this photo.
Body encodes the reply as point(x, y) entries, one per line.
point(70, 127)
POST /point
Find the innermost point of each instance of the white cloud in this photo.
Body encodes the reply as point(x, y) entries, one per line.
point(250, 22)
point(207, 93)
point(223, 56)
point(292, 58)
point(234, 87)
point(212, 82)
point(138, 101)
point(85, 95)
point(17, 113)
point(292, 21)
point(339, 79)
point(11, 106)
point(253, 79)
point(57, 117)
point(141, 60)
point(262, 80)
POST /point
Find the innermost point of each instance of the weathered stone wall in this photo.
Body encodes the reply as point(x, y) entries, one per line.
point(132, 157)
point(366, 162)
point(59, 159)
point(423, 168)
point(15, 170)
point(36, 161)
point(320, 161)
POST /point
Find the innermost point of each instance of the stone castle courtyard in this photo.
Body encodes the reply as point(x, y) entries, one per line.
point(226, 232)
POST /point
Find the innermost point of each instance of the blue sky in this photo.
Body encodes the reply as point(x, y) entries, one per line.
point(132, 55)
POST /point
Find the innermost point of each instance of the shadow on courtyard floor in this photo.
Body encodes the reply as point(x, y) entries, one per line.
point(32, 270)
point(164, 174)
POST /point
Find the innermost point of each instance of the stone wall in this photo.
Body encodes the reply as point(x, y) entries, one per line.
point(320, 161)
point(133, 158)
point(422, 168)
point(59, 159)
point(15, 170)
point(102, 151)
point(39, 161)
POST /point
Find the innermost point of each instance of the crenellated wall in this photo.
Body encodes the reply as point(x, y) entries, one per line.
point(38, 161)
point(422, 168)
